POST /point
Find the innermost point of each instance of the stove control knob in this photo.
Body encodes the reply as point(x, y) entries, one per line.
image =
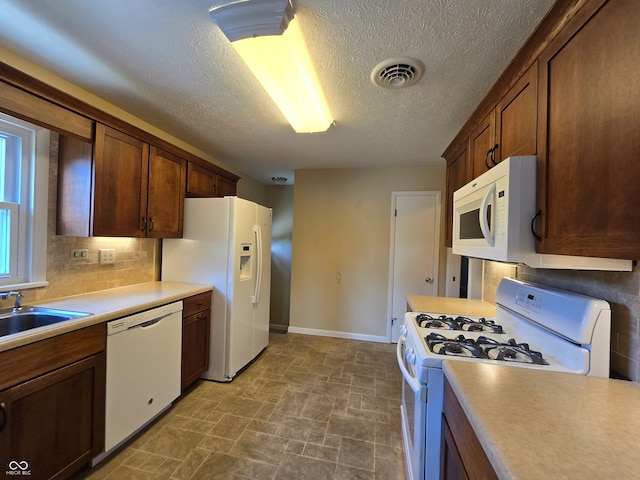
point(403, 330)
point(410, 355)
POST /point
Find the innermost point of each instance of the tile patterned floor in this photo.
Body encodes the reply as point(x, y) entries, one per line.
point(308, 408)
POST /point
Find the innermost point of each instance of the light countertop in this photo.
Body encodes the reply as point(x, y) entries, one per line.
point(540, 425)
point(451, 306)
point(104, 305)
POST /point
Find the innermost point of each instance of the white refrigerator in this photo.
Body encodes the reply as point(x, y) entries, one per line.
point(227, 244)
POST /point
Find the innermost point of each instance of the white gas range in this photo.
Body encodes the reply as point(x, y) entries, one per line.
point(535, 327)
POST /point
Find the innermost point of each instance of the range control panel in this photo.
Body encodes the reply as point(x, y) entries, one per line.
point(529, 300)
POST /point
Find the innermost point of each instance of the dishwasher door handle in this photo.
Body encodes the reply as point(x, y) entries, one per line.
point(148, 323)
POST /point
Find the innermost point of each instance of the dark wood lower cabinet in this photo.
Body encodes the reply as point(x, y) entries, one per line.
point(451, 465)
point(52, 395)
point(195, 337)
point(53, 424)
point(462, 456)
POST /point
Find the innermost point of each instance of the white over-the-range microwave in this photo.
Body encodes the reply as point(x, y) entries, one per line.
point(493, 215)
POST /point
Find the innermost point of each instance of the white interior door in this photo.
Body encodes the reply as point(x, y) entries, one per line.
point(415, 247)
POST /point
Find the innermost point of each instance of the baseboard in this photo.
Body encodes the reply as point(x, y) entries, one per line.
point(331, 333)
point(278, 328)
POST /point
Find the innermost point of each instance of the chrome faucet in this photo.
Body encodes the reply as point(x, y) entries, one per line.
point(19, 296)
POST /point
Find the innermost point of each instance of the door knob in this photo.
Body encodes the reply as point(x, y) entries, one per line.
point(429, 280)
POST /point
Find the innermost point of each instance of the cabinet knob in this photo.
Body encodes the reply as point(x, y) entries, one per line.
point(144, 223)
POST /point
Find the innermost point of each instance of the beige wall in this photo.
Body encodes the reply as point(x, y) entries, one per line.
point(342, 225)
point(253, 190)
point(280, 199)
point(620, 289)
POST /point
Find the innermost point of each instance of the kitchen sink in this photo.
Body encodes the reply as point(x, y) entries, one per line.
point(16, 320)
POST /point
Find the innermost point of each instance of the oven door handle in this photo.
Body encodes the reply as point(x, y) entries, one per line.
point(412, 381)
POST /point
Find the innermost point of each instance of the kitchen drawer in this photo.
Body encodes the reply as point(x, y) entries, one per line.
point(197, 303)
point(29, 361)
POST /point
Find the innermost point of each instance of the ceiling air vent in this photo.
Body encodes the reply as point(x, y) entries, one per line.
point(397, 72)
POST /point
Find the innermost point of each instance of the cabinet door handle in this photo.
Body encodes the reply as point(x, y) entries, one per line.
point(144, 224)
point(486, 159)
point(151, 224)
point(493, 154)
point(3, 416)
point(533, 225)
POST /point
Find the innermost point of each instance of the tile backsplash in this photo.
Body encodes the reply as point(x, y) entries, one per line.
point(136, 259)
point(620, 289)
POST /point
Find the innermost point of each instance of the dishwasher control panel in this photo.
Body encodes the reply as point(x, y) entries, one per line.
point(146, 318)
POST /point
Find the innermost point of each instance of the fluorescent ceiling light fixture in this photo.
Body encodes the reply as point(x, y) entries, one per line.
point(269, 40)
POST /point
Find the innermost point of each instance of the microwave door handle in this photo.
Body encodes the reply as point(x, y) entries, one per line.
point(484, 224)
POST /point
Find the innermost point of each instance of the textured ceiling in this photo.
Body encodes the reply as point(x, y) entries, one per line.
point(166, 62)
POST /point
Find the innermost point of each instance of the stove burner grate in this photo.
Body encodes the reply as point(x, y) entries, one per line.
point(511, 351)
point(459, 346)
point(484, 347)
point(444, 322)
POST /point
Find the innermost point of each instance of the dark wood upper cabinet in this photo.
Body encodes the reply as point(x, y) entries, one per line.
point(122, 187)
point(225, 186)
point(588, 130)
point(481, 145)
point(517, 118)
point(121, 170)
point(203, 182)
point(572, 97)
point(165, 194)
point(510, 128)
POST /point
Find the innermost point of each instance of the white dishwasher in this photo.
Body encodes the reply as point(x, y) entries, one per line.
point(143, 370)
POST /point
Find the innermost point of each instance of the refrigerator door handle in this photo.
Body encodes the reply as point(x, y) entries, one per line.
point(258, 283)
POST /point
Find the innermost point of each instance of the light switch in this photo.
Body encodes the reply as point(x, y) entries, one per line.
point(107, 256)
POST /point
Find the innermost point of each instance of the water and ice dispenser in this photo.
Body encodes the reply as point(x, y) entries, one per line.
point(246, 261)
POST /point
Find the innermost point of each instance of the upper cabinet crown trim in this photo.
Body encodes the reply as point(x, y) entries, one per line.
point(20, 104)
point(31, 99)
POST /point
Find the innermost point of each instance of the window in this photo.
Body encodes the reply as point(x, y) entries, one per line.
point(24, 171)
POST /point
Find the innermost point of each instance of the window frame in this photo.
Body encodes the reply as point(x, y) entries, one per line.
point(30, 250)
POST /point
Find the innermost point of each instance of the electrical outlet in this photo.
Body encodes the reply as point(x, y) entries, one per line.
point(79, 254)
point(107, 256)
